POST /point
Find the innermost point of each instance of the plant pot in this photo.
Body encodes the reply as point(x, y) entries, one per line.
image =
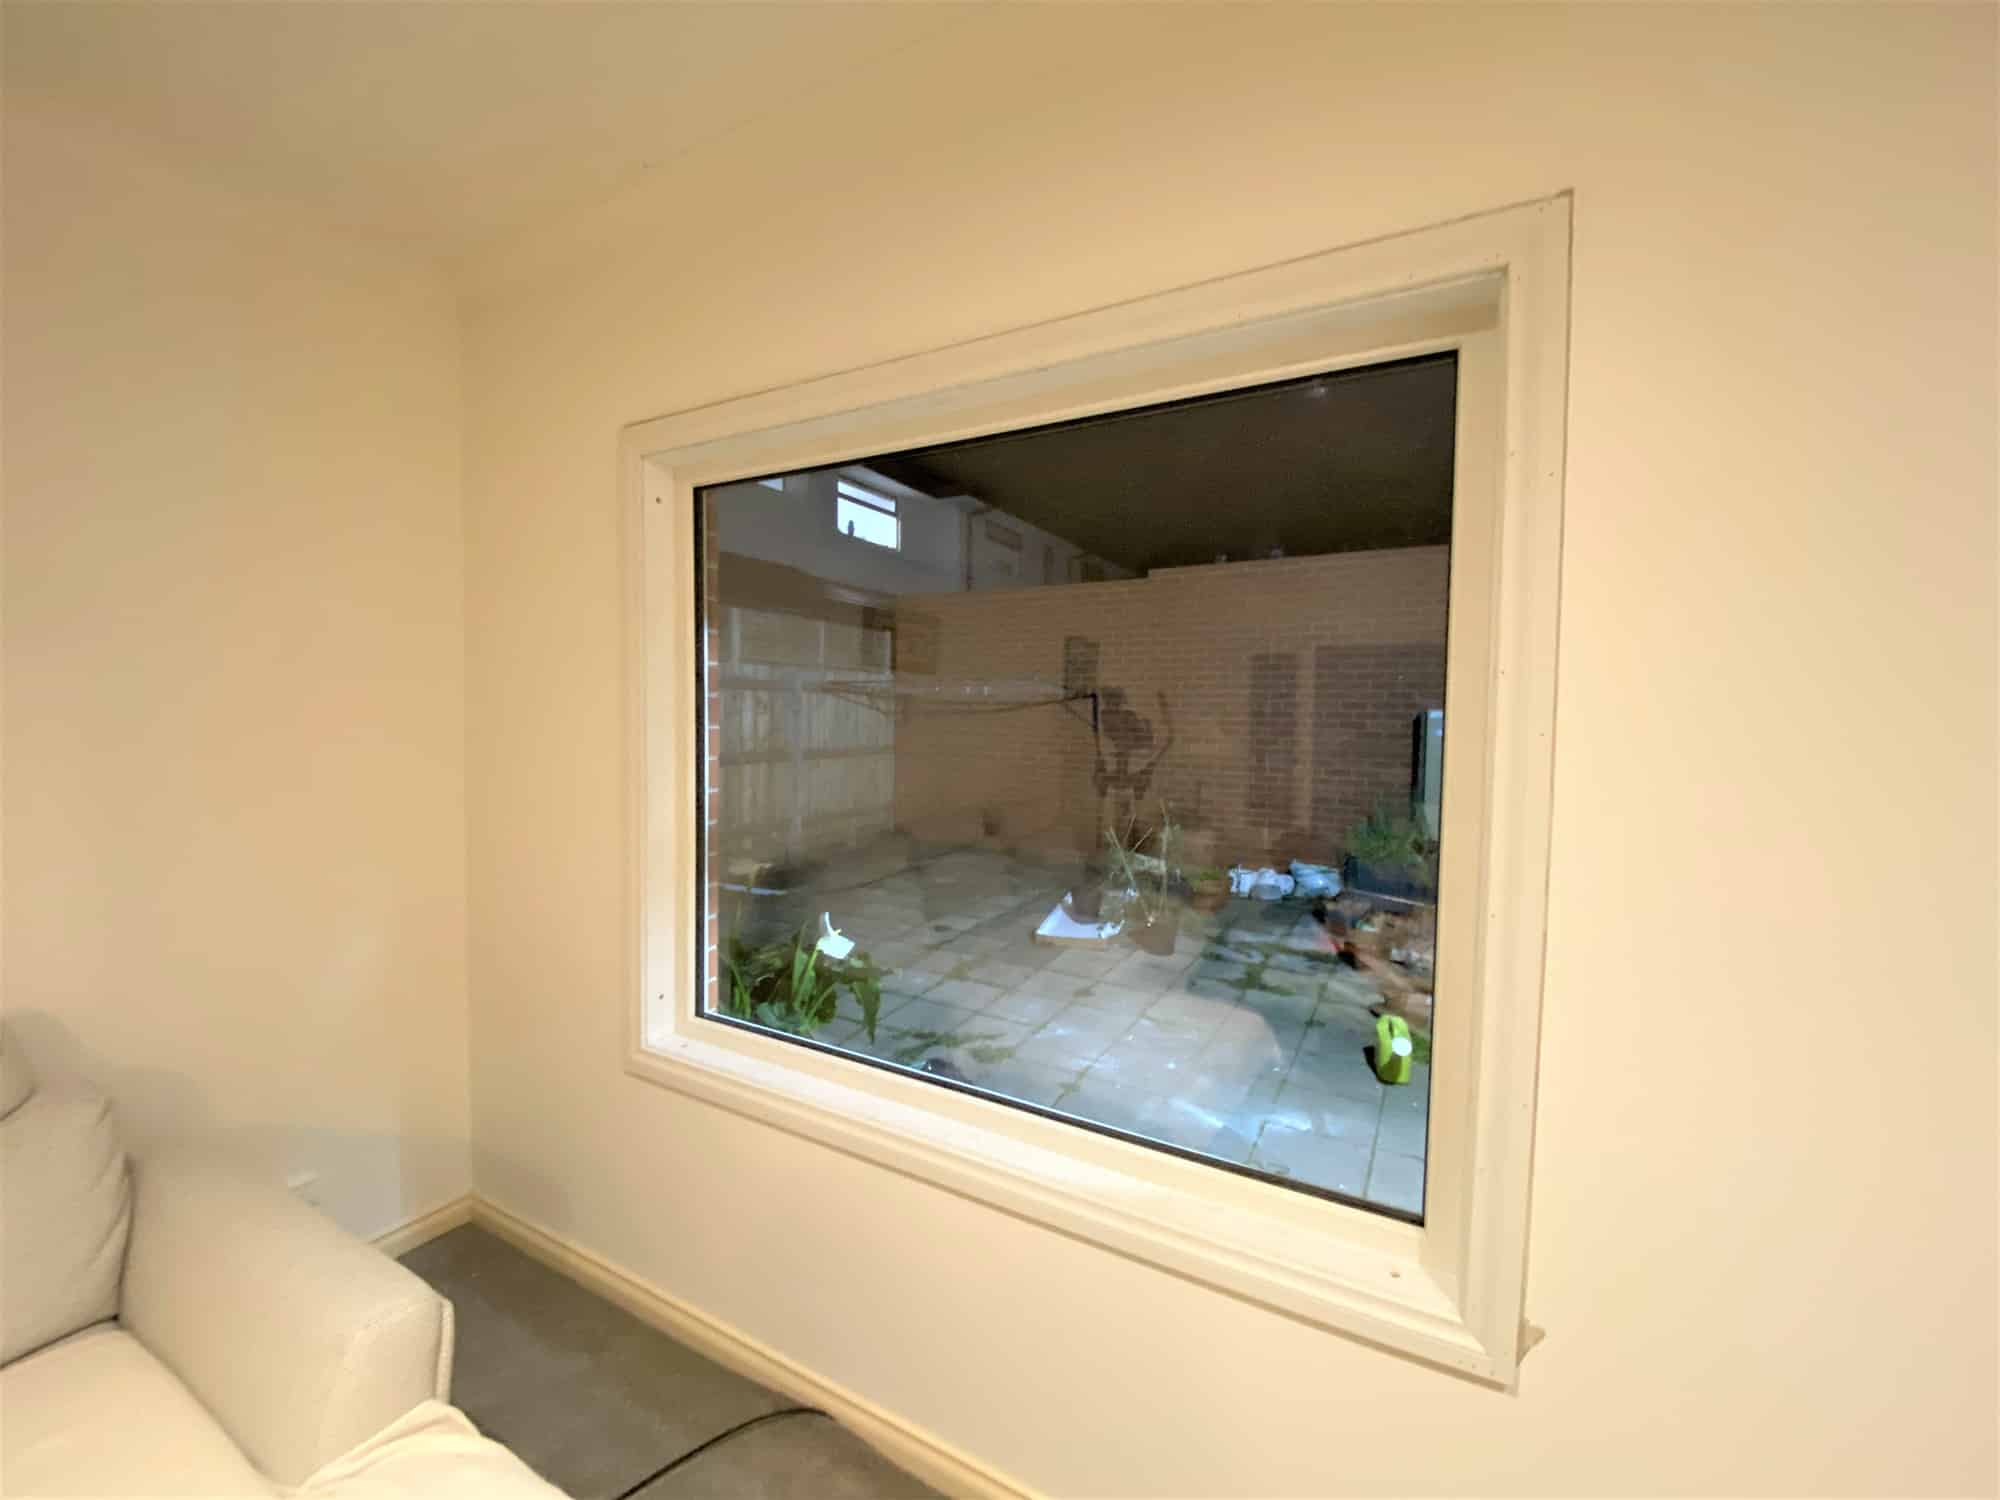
point(1085, 903)
point(1157, 936)
point(1209, 896)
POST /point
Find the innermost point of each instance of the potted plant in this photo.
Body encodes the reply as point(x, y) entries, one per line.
point(1152, 915)
point(1208, 888)
point(792, 986)
point(1392, 852)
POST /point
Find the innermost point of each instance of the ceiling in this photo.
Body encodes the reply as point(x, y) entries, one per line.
point(1355, 460)
point(444, 127)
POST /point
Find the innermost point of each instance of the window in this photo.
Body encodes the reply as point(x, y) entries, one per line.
point(1017, 879)
point(861, 513)
point(1153, 855)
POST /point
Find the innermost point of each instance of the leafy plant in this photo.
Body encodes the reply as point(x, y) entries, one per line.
point(793, 987)
point(1390, 839)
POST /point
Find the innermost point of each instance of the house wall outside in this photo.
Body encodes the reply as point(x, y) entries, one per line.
point(1271, 702)
point(795, 527)
point(1770, 544)
point(234, 675)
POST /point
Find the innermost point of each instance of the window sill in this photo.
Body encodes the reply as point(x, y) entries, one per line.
point(1341, 1268)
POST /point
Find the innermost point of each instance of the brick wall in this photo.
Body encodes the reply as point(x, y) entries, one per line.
point(1268, 702)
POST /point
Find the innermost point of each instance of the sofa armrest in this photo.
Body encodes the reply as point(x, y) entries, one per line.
point(301, 1340)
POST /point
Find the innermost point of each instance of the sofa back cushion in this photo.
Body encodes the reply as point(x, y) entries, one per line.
point(65, 1210)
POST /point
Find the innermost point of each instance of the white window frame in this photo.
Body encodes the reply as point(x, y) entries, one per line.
point(1495, 288)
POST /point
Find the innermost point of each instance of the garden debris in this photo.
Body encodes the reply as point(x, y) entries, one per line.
point(1315, 880)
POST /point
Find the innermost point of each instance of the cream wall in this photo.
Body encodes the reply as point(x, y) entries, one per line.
point(1764, 1236)
point(234, 680)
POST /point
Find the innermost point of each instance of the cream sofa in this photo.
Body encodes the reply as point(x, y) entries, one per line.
point(168, 1328)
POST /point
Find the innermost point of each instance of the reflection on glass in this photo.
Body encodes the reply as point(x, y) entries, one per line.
point(1107, 778)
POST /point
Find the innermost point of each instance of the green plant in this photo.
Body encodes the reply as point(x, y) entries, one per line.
point(1390, 839)
point(1148, 877)
point(793, 987)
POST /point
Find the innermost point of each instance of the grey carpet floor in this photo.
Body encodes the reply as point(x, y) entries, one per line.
point(604, 1406)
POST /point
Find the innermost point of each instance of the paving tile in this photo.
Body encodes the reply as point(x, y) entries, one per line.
point(1310, 962)
point(892, 1002)
point(1223, 968)
point(1152, 1071)
point(1412, 1097)
point(1221, 1084)
point(1177, 1119)
point(1194, 1014)
point(1002, 976)
point(964, 1052)
point(966, 994)
point(933, 961)
point(1334, 1116)
point(1144, 1035)
point(1406, 1112)
point(1402, 1134)
point(1151, 971)
point(1251, 1044)
point(1292, 1008)
point(1195, 1127)
point(893, 955)
point(1029, 1004)
point(1104, 1104)
point(1114, 999)
point(881, 1046)
point(1055, 985)
point(1229, 948)
point(1025, 953)
point(1076, 1035)
point(1344, 1071)
point(1035, 1083)
point(930, 1015)
point(1397, 1181)
point(1308, 1156)
point(949, 924)
point(1223, 992)
point(1089, 963)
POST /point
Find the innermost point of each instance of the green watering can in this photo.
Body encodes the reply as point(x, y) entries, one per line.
point(1393, 1049)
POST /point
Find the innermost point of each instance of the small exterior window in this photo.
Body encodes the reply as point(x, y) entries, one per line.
point(866, 516)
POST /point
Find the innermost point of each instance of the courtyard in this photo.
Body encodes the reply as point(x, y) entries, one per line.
point(1248, 1044)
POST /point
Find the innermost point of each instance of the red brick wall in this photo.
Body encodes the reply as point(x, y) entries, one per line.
point(1287, 686)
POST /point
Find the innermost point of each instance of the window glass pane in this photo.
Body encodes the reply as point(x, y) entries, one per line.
point(1109, 782)
point(856, 519)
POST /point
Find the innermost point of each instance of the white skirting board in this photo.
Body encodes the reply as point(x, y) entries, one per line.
point(425, 1227)
point(930, 1458)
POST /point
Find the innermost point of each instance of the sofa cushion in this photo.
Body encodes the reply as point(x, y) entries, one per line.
point(98, 1415)
point(433, 1451)
point(68, 1209)
point(302, 1339)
